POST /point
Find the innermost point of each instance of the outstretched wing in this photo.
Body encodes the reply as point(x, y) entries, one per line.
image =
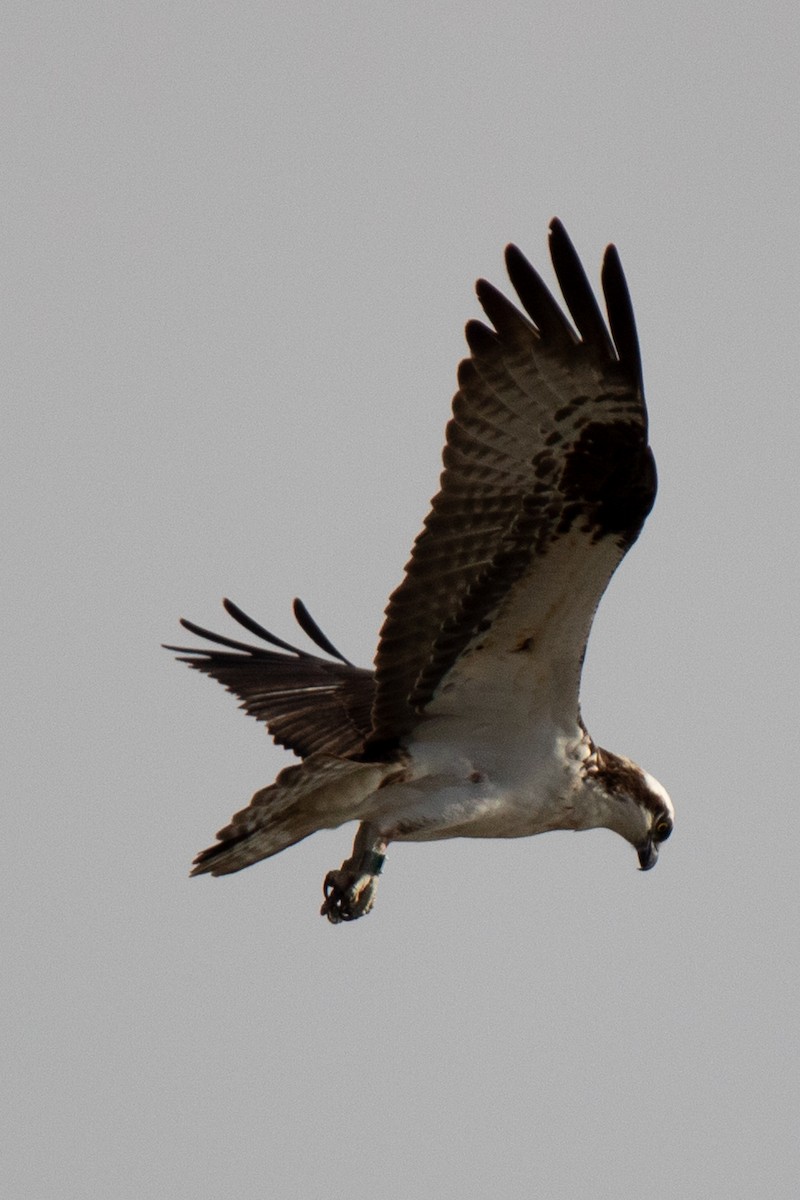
point(309, 704)
point(547, 481)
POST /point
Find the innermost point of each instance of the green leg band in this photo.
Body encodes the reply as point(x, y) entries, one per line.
point(372, 862)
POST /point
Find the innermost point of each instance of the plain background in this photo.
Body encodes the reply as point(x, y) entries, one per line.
point(239, 245)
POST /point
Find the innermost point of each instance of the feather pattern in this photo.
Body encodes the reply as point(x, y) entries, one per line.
point(309, 704)
point(319, 793)
point(546, 454)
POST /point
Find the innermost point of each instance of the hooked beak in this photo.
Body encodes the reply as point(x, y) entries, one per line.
point(648, 854)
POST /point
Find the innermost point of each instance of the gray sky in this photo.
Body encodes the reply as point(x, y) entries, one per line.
point(239, 248)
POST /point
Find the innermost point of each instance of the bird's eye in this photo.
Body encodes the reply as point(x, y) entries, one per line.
point(662, 830)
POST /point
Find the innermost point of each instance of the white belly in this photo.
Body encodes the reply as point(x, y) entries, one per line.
point(514, 787)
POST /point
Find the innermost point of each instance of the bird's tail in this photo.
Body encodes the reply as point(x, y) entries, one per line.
point(320, 793)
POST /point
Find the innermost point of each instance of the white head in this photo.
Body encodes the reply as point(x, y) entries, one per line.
point(635, 805)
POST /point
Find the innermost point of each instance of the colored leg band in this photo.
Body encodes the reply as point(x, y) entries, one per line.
point(372, 862)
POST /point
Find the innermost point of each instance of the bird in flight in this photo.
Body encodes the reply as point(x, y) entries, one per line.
point(469, 725)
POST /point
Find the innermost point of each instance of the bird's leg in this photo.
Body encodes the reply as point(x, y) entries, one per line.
point(350, 891)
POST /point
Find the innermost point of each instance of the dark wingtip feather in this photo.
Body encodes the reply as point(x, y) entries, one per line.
point(252, 626)
point(620, 315)
point(577, 291)
point(480, 338)
point(537, 299)
point(312, 630)
point(210, 636)
point(505, 316)
point(304, 620)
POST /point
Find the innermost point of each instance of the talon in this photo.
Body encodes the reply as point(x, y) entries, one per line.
point(348, 895)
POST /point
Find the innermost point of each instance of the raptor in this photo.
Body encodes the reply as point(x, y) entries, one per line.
point(469, 724)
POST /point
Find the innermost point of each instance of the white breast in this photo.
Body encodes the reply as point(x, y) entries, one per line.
point(470, 783)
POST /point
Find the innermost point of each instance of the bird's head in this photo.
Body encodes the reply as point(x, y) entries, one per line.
point(635, 805)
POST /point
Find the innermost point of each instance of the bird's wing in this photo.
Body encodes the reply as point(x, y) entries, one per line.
point(547, 481)
point(321, 793)
point(309, 704)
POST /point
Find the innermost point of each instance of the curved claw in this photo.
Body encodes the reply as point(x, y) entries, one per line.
point(348, 895)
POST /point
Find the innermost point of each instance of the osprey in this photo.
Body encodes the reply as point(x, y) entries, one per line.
point(470, 725)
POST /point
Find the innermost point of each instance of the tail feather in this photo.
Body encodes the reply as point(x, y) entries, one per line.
point(321, 793)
